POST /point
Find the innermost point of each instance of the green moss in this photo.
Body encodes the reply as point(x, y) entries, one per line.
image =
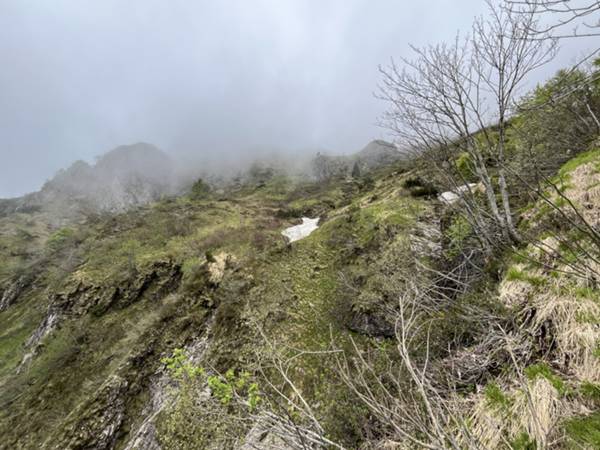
point(542, 370)
point(495, 396)
point(523, 442)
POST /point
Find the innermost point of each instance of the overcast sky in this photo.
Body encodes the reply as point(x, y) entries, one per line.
point(79, 77)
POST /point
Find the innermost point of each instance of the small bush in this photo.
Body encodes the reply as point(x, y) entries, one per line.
point(418, 187)
point(180, 367)
point(290, 213)
point(457, 233)
point(194, 275)
point(60, 238)
point(465, 167)
point(200, 190)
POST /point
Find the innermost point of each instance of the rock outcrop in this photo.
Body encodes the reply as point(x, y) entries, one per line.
point(11, 293)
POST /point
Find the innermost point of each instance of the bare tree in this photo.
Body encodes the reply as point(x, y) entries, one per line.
point(458, 98)
point(564, 19)
point(568, 18)
point(413, 411)
point(415, 393)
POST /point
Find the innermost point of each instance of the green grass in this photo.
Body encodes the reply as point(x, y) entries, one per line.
point(60, 238)
point(495, 396)
point(293, 291)
point(16, 325)
point(590, 391)
point(584, 431)
point(516, 274)
point(523, 442)
point(583, 158)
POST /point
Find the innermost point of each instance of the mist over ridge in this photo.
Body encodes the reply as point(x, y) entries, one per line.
point(212, 83)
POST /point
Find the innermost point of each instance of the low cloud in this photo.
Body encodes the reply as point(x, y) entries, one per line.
point(204, 81)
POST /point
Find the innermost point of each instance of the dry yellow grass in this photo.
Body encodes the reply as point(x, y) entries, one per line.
point(584, 191)
point(216, 268)
point(564, 310)
point(535, 408)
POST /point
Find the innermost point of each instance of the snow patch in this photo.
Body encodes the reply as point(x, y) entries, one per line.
point(301, 231)
point(452, 196)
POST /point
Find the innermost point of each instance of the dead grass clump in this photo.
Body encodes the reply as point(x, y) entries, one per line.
point(217, 266)
point(572, 320)
point(533, 410)
point(584, 191)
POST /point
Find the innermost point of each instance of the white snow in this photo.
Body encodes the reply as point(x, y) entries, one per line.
point(448, 197)
point(452, 196)
point(298, 232)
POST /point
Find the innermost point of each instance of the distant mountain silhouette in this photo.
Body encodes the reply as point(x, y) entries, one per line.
point(127, 176)
point(376, 154)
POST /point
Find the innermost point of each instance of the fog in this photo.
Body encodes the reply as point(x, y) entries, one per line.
point(202, 80)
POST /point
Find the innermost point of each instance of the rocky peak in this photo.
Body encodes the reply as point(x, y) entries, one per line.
point(378, 153)
point(125, 177)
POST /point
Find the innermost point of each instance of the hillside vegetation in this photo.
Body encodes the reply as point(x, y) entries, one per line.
point(404, 321)
point(96, 310)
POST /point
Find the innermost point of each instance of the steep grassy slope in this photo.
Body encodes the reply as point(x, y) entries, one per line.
point(546, 395)
point(93, 309)
point(82, 341)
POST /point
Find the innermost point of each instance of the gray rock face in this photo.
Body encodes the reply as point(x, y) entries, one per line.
point(145, 436)
point(162, 278)
point(425, 239)
point(48, 323)
point(124, 177)
point(128, 176)
point(376, 154)
point(98, 422)
point(100, 419)
point(11, 293)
